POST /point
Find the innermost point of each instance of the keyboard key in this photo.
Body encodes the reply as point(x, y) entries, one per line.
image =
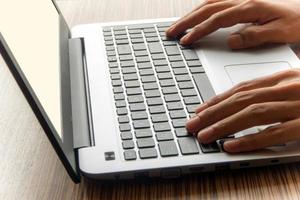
point(141, 124)
point(174, 106)
point(179, 71)
point(120, 104)
point(155, 47)
point(139, 115)
point(132, 84)
point(180, 78)
point(169, 42)
point(115, 77)
point(130, 77)
point(177, 64)
point(140, 26)
point(152, 39)
point(190, 54)
point(181, 132)
point(172, 97)
point(204, 86)
point(146, 72)
point(121, 37)
point(128, 144)
point(124, 49)
point(162, 76)
point(164, 136)
point(142, 59)
point(110, 53)
point(191, 108)
point(142, 133)
point(133, 91)
point(172, 50)
point(148, 79)
point(109, 43)
point(194, 63)
point(175, 58)
point(139, 46)
point(112, 58)
point(185, 85)
point(169, 90)
point(162, 69)
point(179, 123)
point(210, 148)
point(114, 71)
point(189, 92)
point(156, 109)
point(188, 146)
point(150, 86)
point(151, 34)
point(137, 107)
point(127, 135)
point(152, 93)
point(167, 148)
point(123, 119)
point(130, 155)
point(140, 53)
point(149, 30)
point(155, 101)
point(146, 65)
point(118, 90)
point(120, 32)
point(113, 65)
point(160, 62)
point(128, 70)
point(116, 83)
point(195, 70)
point(158, 56)
point(124, 41)
point(147, 153)
point(134, 32)
point(127, 63)
point(191, 100)
point(125, 57)
point(145, 142)
point(165, 126)
point(175, 114)
point(137, 40)
point(124, 127)
point(122, 111)
point(159, 118)
point(135, 99)
point(166, 82)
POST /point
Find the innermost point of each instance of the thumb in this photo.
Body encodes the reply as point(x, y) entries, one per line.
point(251, 36)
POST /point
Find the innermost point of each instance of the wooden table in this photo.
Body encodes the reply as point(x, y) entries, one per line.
point(30, 169)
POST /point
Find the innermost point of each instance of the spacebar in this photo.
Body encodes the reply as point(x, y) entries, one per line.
point(204, 87)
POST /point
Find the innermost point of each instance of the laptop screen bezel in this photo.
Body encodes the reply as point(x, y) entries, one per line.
point(63, 147)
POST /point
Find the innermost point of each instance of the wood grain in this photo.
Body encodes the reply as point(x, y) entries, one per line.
point(30, 168)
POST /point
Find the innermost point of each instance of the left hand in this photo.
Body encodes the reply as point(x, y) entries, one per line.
point(262, 101)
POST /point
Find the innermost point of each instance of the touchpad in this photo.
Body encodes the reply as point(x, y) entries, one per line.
point(244, 72)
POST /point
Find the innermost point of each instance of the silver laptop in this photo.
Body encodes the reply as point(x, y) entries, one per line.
point(113, 98)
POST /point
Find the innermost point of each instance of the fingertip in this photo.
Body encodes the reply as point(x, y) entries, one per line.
point(231, 146)
point(201, 107)
point(191, 124)
point(235, 41)
point(185, 40)
point(169, 31)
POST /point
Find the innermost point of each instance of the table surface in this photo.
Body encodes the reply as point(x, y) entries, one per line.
point(30, 168)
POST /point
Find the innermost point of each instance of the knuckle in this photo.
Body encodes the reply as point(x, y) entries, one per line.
point(217, 19)
point(257, 110)
point(243, 97)
point(242, 86)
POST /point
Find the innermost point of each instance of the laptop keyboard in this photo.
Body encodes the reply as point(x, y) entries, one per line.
point(157, 85)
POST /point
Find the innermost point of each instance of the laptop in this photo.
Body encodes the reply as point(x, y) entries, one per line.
point(113, 98)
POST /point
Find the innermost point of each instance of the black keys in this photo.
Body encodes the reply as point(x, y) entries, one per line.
point(167, 148)
point(210, 148)
point(188, 146)
point(204, 86)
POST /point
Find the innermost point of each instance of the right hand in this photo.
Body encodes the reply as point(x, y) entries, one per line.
point(273, 21)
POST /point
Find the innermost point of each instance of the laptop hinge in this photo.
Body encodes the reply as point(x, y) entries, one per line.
point(81, 115)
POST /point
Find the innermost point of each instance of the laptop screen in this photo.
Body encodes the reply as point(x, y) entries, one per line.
point(31, 30)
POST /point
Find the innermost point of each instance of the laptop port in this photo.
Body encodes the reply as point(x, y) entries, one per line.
point(222, 166)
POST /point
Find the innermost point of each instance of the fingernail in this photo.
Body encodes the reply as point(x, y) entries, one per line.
point(192, 124)
point(231, 146)
point(235, 41)
point(170, 30)
point(201, 107)
point(184, 40)
point(205, 135)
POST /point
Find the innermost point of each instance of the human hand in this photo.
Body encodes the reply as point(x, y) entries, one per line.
point(272, 22)
point(267, 100)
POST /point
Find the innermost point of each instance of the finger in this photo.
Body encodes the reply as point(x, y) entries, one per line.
point(197, 17)
point(265, 81)
point(274, 135)
point(234, 104)
point(222, 19)
point(253, 115)
point(256, 35)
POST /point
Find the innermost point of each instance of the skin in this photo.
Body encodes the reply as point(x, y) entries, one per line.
point(273, 99)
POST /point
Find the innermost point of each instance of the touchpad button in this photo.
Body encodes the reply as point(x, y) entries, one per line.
point(244, 72)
